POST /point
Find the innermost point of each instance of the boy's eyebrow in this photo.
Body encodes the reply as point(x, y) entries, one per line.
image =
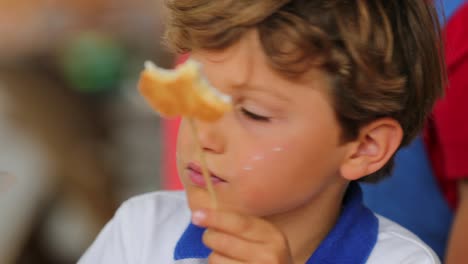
point(274, 92)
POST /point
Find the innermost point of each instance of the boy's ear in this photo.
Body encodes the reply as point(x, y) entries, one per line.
point(375, 145)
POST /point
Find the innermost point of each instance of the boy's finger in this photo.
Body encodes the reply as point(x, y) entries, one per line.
point(216, 258)
point(229, 245)
point(248, 227)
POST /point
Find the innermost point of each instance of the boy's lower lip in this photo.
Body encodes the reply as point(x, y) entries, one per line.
point(198, 179)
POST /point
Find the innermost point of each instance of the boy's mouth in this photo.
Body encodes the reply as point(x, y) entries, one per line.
point(194, 172)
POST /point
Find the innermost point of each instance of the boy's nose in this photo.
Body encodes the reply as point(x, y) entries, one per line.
point(211, 136)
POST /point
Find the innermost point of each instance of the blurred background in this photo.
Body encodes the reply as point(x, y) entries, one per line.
point(76, 138)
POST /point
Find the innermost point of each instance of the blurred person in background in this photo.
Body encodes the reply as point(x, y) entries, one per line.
point(428, 191)
point(50, 124)
point(73, 131)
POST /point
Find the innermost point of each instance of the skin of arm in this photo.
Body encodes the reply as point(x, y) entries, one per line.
point(457, 247)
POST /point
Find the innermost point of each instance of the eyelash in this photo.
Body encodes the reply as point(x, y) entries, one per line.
point(254, 116)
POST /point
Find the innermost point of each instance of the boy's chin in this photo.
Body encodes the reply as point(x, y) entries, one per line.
point(197, 198)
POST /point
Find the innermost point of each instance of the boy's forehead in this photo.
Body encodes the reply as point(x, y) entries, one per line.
point(248, 47)
point(245, 65)
point(246, 73)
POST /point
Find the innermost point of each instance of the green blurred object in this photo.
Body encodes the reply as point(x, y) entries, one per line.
point(93, 63)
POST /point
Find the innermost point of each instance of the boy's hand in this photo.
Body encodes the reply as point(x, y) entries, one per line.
point(236, 238)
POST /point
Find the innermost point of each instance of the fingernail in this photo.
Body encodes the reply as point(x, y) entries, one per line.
point(198, 217)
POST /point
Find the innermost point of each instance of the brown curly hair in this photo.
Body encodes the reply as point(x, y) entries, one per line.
point(385, 57)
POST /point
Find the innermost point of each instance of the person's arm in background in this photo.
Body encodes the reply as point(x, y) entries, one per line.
point(457, 246)
point(450, 119)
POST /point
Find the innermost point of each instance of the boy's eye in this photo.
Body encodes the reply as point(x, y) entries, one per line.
point(254, 116)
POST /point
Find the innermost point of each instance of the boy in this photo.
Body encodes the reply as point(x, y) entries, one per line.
point(324, 93)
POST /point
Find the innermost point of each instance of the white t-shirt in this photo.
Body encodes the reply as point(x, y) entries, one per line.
point(146, 229)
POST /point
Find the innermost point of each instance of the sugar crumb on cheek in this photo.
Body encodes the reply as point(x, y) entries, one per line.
point(277, 149)
point(248, 168)
point(258, 157)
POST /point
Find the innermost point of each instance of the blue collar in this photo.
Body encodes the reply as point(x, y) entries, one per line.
point(350, 241)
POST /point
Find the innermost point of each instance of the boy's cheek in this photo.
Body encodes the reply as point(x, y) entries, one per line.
point(184, 144)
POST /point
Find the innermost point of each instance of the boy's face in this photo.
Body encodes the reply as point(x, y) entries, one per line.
point(277, 151)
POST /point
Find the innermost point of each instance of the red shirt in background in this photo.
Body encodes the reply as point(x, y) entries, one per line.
point(170, 127)
point(446, 134)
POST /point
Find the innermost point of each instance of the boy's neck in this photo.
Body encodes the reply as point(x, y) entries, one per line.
point(305, 227)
